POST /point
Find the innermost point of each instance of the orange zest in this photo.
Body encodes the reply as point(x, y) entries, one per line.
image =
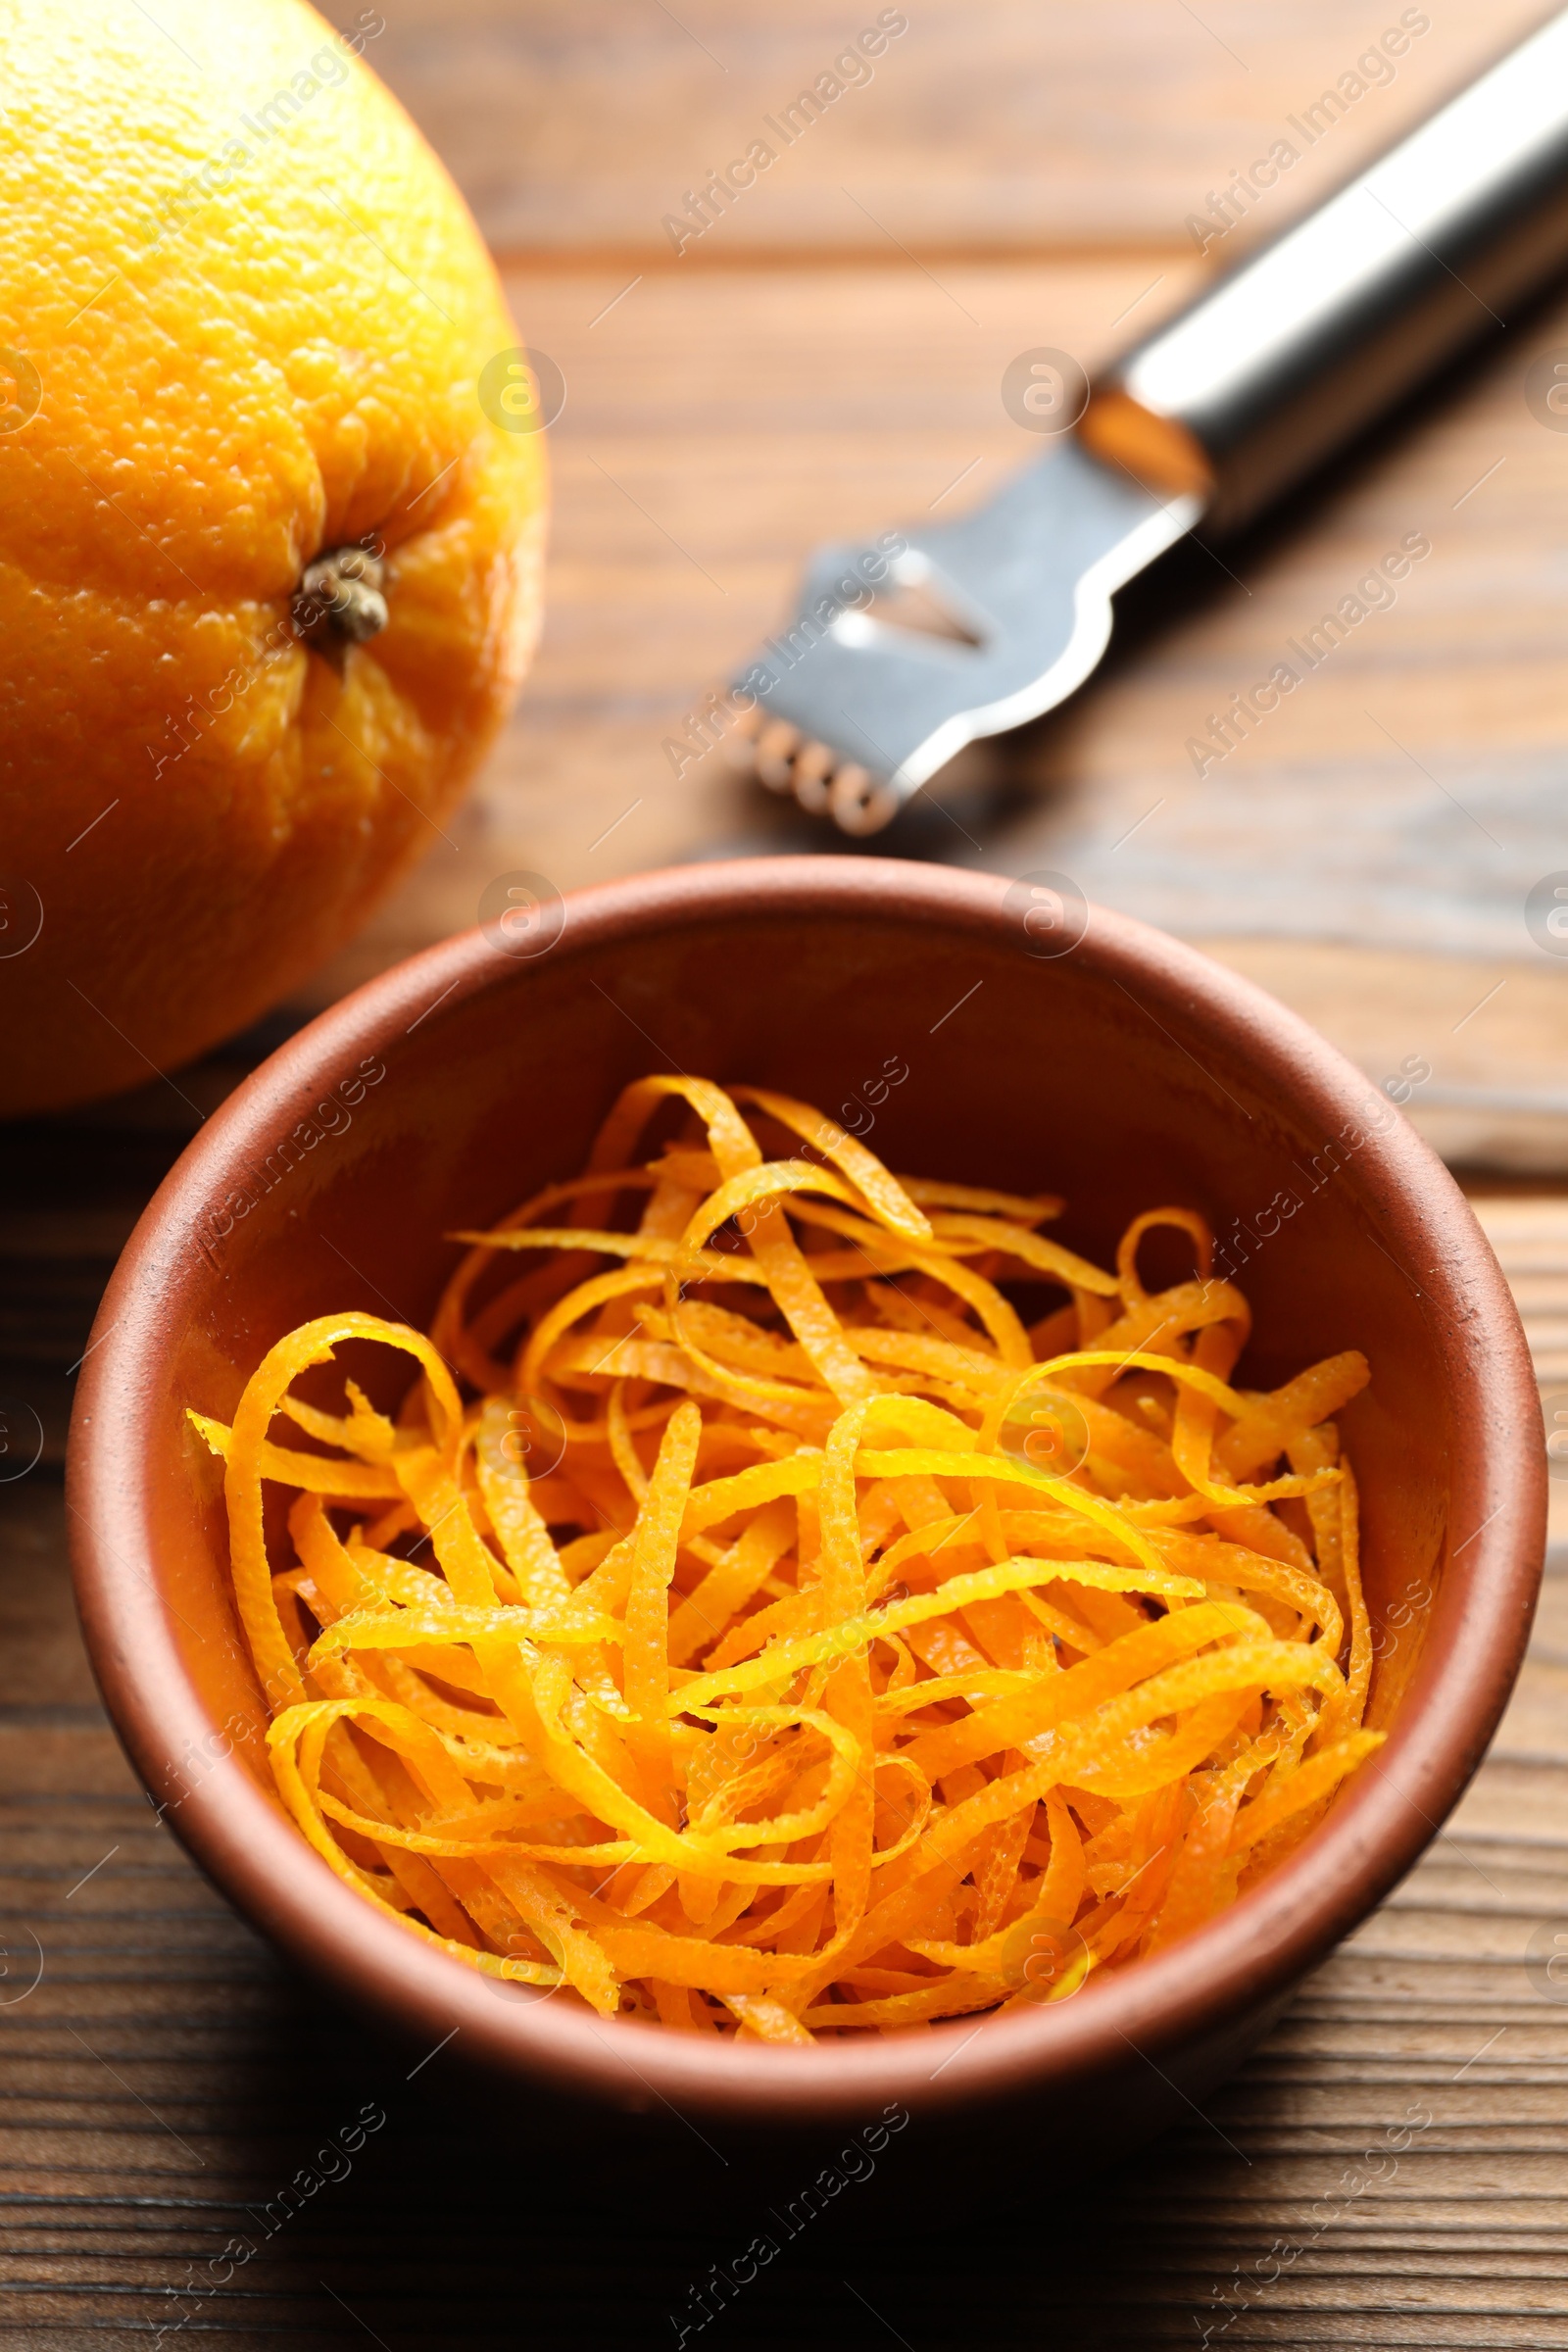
point(745, 1621)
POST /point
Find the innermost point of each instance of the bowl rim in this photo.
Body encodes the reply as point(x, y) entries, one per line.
point(1251, 1952)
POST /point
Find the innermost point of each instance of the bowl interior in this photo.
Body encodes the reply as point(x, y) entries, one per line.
point(1046, 1076)
point(1125, 1074)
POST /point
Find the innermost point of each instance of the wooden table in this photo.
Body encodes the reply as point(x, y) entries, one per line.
point(826, 360)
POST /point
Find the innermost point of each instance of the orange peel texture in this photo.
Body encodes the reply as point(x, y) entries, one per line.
point(747, 1622)
point(244, 321)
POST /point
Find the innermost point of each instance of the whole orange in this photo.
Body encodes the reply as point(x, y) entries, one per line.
point(244, 319)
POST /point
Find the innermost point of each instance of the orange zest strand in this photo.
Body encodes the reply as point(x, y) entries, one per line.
point(750, 1621)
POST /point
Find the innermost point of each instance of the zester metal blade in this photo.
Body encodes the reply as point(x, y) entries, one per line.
point(857, 711)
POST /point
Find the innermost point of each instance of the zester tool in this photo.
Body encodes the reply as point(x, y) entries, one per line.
point(1202, 423)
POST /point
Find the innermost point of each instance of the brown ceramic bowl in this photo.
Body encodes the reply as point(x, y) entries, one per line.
point(1124, 1071)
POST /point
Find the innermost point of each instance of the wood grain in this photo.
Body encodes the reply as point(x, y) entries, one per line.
point(989, 126)
point(1367, 852)
point(1392, 2169)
